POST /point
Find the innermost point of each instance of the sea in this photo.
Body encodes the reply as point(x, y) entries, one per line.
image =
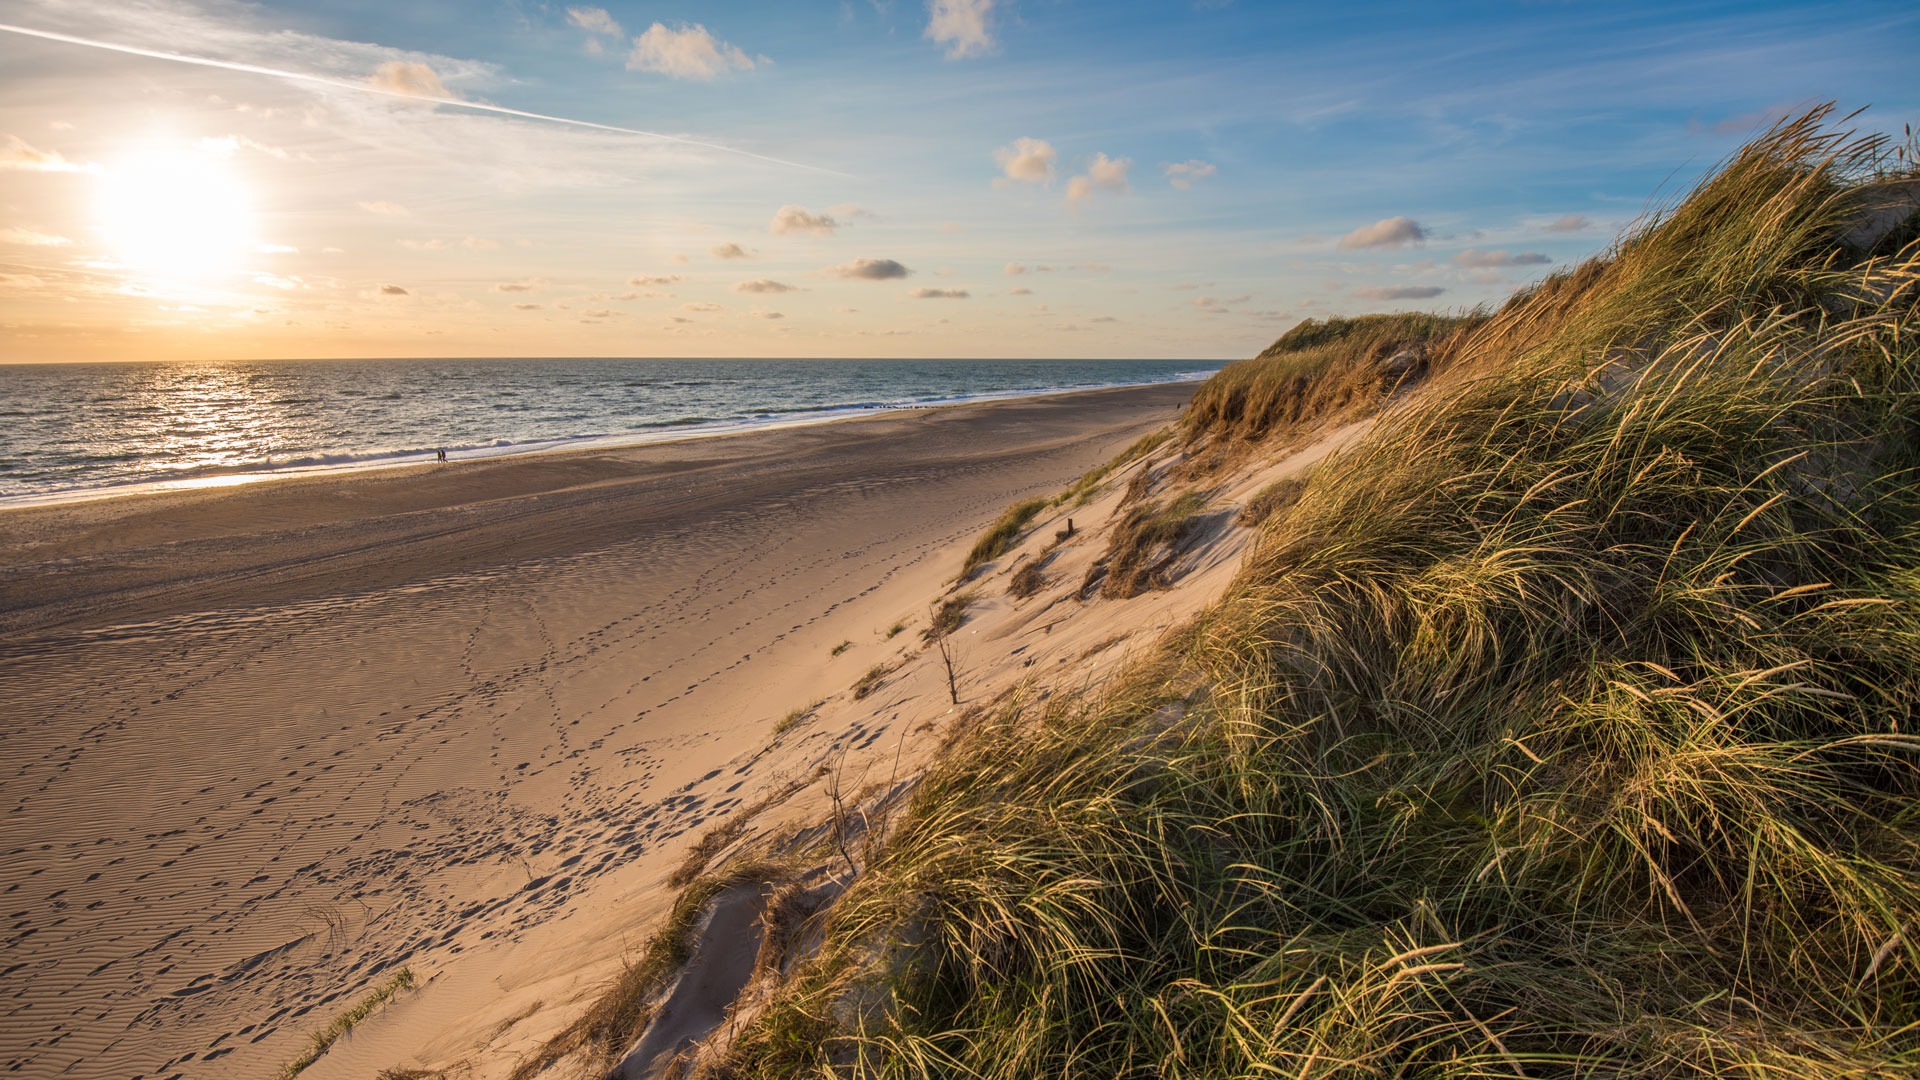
point(75, 431)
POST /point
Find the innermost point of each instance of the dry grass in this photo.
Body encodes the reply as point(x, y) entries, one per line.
point(1145, 545)
point(1027, 581)
point(346, 1021)
point(1271, 500)
point(1001, 535)
point(871, 681)
point(1081, 491)
point(947, 616)
point(721, 836)
point(1563, 728)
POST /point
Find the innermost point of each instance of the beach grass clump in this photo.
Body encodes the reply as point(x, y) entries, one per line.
point(840, 648)
point(895, 630)
point(871, 681)
point(1336, 368)
point(1271, 500)
point(947, 616)
point(1000, 536)
point(324, 1039)
point(1144, 546)
point(1027, 581)
point(1563, 727)
point(1081, 491)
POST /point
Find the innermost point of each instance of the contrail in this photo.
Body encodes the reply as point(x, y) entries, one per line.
point(366, 88)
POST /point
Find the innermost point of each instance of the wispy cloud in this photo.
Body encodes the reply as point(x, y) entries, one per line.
point(1102, 172)
point(1568, 223)
point(391, 209)
point(924, 293)
point(409, 78)
point(30, 238)
point(15, 153)
point(1387, 232)
point(1183, 174)
point(1026, 161)
point(529, 285)
point(1472, 258)
point(690, 52)
point(1398, 292)
point(963, 26)
point(868, 270)
point(764, 285)
point(791, 219)
point(649, 281)
point(729, 250)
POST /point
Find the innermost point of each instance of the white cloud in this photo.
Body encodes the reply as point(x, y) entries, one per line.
point(687, 53)
point(594, 21)
point(1102, 172)
point(764, 285)
point(1387, 232)
point(924, 293)
point(962, 26)
point(16, 154)
point(648, 281)
point(1473, 258)
point(868, 270)
point(409, 77)
point(1397, 292)
point(1568, 223)
point(797, 219)
point(391, 209)
point(702, 305)
point(1013, 268)
point(1028, 160)
point(1182, 174)
point(729, 250)
point(29, 238)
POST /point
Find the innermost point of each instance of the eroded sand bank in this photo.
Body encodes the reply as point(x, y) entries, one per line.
point(261, 746)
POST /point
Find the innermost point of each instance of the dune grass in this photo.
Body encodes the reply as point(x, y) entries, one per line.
point(1564, 727)
point(947, 616)
point(1144, 545)
point(1081, 491)
point(324, 1039)
point(1000, 536)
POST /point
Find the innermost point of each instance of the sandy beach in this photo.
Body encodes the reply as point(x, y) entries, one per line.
point(265, 745)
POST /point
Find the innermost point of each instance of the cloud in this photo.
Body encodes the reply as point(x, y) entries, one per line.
point(1473, 258)
point(390, 209)
point(16, 154)
point(1397, 292)
point(1182, 174)
point(528, 307)
point(1387, 232)
point(594, 21)
point(479, 243)
point(29, 238)
point(1013, 268)
point(868, 270)
point(702, 305)
point(648, 281)
point(529, 285)
point(729, 250)
point(765, 285)
point(1568, 223)
point(1027, 160)
point(393, 290)
point(1103, 318)
point(408, 77)
point(924, 293)
point(797, 219)
point(767, 315)
point(1102, 172)
point(687, 53)
point(962, 26)
point(1020, 291)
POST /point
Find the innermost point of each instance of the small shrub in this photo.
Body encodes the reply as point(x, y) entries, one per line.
point(840, 648)
point(895, 630)
point(871, 681)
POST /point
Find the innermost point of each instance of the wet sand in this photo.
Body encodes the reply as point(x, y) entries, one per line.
point(261, 746)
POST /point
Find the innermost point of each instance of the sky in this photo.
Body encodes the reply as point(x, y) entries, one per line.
point(208, 179)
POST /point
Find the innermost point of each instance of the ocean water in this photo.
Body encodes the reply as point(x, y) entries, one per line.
point(78, 430)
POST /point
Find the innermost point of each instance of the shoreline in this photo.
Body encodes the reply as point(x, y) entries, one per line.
point(345, 463)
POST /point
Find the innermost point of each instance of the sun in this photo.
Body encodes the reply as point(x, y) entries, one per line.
point(178, 212)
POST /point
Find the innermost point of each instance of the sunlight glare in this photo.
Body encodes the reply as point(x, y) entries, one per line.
point(178, 211)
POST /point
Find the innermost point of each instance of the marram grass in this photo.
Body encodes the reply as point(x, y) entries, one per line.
point(1562, 728)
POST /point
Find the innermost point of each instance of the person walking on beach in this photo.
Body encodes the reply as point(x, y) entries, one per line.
point(442, 454)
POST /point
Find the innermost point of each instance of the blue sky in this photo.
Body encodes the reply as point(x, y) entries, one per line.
point(949, 178)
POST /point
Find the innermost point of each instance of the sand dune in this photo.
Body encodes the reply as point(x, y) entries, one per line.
point(263, 746)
